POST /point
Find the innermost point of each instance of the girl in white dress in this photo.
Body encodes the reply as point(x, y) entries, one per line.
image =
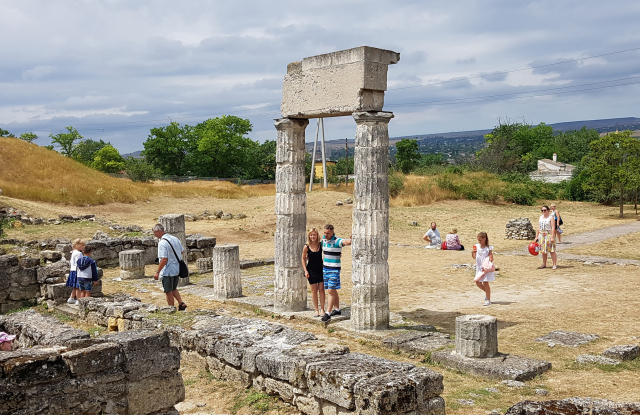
point(545, 237)
point(481, 251)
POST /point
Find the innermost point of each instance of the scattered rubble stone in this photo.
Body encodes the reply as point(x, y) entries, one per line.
point(567, 338)
point(520, 228)
point(514, 383)
point(466, 402)
point(413, 223)
point(600, 360)
point(623, 352)
point(492, 390)
point(339, 203)
point(576, 406)
point(542, 392)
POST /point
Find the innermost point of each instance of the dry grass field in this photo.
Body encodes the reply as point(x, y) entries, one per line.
point(424, 287)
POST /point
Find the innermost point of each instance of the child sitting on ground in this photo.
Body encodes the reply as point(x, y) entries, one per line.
point(87, 273)
point(72, 280)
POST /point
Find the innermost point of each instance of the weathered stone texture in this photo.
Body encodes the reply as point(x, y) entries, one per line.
point(477, 336)
point(623, 352)
point(575, 406)
point(337, 83)
point(520, 228)
point(290, 283)
point(67, 372)
point(567, 338)
point(370, 230)
point(131, 264)
point(501, 366)
point(227, 281)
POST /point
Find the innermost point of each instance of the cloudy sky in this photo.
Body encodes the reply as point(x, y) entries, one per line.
point(115, 69)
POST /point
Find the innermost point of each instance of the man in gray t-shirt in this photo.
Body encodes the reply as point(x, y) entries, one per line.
point(433, 237)
point(169, 267)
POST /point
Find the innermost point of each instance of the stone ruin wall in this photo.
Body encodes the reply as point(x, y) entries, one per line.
point(317, 376)
point(60, 370)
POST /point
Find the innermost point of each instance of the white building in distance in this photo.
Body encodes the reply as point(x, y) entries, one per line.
point(551, 171)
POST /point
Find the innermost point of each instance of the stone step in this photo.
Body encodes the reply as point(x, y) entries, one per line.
point(69, 310)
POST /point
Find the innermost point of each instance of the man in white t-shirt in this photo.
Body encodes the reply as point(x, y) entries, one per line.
point(433, 237)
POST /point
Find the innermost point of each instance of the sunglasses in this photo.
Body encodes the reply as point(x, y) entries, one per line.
point(543, 210)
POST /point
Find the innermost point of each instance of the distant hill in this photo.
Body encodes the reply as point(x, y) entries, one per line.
point(470, 141)
point(135, 155)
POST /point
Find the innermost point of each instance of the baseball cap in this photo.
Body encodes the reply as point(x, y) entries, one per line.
point(4, 337)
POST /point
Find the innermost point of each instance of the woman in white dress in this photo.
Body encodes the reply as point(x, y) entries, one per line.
point(545, 237)
point(481, 251)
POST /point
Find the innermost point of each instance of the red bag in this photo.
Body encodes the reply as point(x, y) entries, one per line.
point(444, 245)
point(534, 247)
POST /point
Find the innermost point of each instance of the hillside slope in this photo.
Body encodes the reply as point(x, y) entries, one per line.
point(29, 171)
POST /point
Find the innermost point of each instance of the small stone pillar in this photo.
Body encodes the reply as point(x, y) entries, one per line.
point(291, 211)
point(370, 229)
point(477, 336)
point(131, 264)
point(204, 265)
point(227, 282)
point(174, 225)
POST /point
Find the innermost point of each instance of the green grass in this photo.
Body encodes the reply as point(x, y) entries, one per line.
point(179, 318)
point(631, 365)
point(257, 401)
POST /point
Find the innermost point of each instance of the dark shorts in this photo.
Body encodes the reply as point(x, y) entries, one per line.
point(170, 283)
point(85, 285)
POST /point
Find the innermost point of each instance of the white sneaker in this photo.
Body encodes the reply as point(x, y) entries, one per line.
point(77, 302)
point(70, 300)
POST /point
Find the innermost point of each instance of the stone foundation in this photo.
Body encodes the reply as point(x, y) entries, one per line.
point(575, 406)
point(318, 377)
point(60, 370)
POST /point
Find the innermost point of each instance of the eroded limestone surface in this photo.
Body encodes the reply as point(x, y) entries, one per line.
point(567, 338)
point(575, 406)
point(337, 83)
point(502, 366)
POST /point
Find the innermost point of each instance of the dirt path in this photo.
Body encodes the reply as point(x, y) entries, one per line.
point(593, 237)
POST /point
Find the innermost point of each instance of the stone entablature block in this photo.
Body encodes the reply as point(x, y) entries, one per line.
point(337, 83)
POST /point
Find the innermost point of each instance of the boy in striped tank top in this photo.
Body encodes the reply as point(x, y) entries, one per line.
point(332, 250)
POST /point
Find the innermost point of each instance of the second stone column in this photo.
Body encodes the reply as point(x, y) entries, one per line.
point(370, 243)
point(291, 211)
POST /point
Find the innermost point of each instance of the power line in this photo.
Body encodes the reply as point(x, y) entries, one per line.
point(441, 102)
point(515, 70)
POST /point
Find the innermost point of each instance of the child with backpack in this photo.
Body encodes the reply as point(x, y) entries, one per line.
point(72, 280)
point(87, 273)
point(483, 254)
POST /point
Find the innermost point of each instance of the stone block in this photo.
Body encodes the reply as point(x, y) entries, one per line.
point(335, 380)
point(278, 388)
point(418, 341)
point(337, 83)
point(476, 336)
point(623, 352)
point(94, 358)
point(132, 264)
point(29, 367)
point(574, 406)
point(502, 366)
point(227, 282)
point(58, 292)
point(567, 338)
point(51, 255)
point(153, 394)
point(598, 360)
point(112, 324)
point(308, 405)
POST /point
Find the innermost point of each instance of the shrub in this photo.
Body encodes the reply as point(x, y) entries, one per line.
point(519, 193)
point(139, 170)
point(396, 184)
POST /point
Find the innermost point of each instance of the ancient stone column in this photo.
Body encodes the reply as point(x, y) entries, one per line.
point(174, 225)
point(227, 282)
point(131, 264)
point(370, 229)
point(477, 336)
point(291, 211)
point(204, 265)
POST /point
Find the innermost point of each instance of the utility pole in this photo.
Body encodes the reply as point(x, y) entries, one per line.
point(346, 148)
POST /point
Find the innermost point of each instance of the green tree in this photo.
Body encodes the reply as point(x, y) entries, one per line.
point(407, 156)
point(5, 133)
point(139, 170)
point(169, 148)
point(29, 137)
point(267, 159)
point(108, 160)
point(224, 141)
point(85, 151)
point(66, 141)
point(613, 165)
